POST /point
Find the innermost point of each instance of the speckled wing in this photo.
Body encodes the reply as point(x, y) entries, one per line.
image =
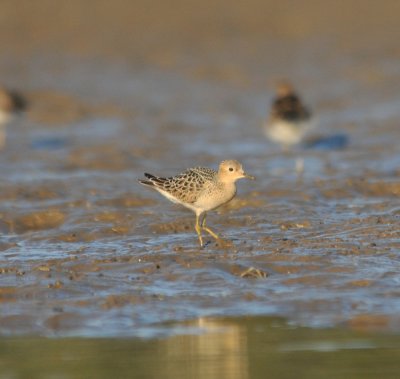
point(186, 186)
point(290, 108)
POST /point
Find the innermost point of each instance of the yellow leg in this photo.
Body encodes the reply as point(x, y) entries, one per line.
point(198, 230)
point(208, 230)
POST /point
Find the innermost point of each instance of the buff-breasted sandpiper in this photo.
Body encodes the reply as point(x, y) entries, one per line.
point(289, 120)
point(200, 189)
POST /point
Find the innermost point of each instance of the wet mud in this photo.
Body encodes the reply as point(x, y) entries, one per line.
point(85, 250)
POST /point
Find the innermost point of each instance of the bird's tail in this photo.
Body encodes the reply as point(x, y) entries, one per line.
point(154, 181)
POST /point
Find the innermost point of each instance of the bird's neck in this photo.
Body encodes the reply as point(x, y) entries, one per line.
point(227, 183)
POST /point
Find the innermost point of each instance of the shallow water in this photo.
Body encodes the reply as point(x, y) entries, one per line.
point(209, 348)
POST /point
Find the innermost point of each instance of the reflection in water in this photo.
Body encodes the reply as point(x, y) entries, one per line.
point(219, 351)
point(225, 348)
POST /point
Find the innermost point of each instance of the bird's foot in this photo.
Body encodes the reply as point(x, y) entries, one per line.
point(204, 245)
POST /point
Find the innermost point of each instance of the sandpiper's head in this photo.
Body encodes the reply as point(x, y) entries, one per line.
point(284, 88)
point(231, 170)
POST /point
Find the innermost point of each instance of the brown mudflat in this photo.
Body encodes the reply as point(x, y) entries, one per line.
point(85, 250)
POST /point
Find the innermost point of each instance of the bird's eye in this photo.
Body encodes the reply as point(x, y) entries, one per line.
point(230, 168)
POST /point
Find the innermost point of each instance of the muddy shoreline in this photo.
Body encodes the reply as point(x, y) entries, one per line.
point(86, 251)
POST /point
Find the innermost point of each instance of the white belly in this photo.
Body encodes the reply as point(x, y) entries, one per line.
point(216, 198)
point(287, 133)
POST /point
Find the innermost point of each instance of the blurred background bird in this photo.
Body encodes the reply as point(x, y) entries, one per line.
point(11, 102)
point(289, 120)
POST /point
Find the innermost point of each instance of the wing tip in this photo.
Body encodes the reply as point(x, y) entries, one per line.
point(146, 182)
